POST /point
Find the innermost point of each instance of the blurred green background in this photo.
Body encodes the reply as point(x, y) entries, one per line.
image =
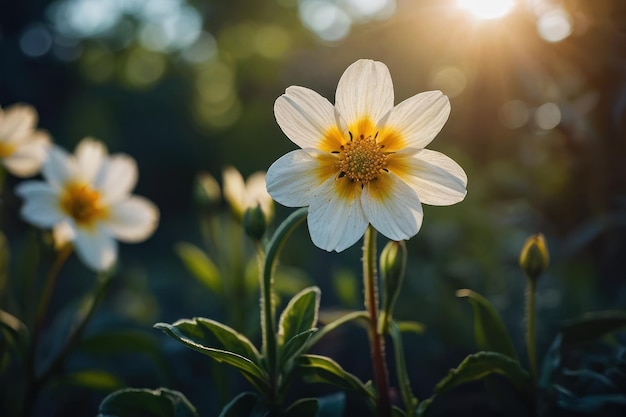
point(538, 122)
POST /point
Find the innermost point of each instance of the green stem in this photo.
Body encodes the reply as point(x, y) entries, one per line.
point(410, 402)
point(268, 321)
point(49, 284)
point(530, 327)
point(377, 341)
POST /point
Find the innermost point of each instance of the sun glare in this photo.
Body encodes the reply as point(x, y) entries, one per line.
point(486, 9)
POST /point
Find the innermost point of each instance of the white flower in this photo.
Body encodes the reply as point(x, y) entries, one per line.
point(363, 160)
point(244, 195)
point(86, 199)
point(22, 147)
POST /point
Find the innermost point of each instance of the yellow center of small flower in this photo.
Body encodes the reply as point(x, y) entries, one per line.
point(361, 159)
point(6, 149)
point(82, 203)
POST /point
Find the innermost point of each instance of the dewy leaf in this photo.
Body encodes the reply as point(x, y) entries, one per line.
point(300, 314)
point(317, 368)
point(133, 402)
point(192, 335)
point(482, 364)
point(199, 265)
point(490, 331)
point(593, 325)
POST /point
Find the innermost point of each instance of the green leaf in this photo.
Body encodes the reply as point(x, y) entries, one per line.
point(490, 331)
point(299, 315)
point(230, 339)
point(592, 325)
point(305, 407)
point(411, 326)
point(243, 405)
point(16, 328)
point(317, 368)
point(95, 379)
point(295, 346)
point(199, 265)
point(194, 336)
point(479, 365)
point(133, 402)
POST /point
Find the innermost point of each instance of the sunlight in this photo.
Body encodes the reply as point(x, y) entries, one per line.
point(486, 9)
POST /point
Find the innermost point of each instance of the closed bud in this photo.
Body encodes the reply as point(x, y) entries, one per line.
point(534, 257)
point(254, 222)
point(207, 193)
point(392, 266)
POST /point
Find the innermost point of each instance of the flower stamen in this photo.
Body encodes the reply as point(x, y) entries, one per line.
point(6, 149)
point(361, 159)
point(82, 203)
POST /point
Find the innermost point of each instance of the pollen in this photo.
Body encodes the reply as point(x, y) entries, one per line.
point(83, 204)
point(6, 149)
point(361, 159)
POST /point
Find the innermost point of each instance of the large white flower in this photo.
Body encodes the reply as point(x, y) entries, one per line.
point(86, 198)
point(22, 147)
point(363, 160)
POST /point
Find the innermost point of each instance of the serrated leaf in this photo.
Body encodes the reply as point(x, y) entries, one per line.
point(241, 406)
point(479, 365)
point(200, 265)
point(305, 407)
point(192, 335)
point(295, 346)
point(592, 325)
point(490, 331)
point(299, 315)
point(317, 368)
point(133, 402)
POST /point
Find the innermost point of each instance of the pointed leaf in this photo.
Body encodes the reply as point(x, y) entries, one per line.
point(300, 314)
point(193, 336)
point(295, 346)
point(133, 402)
point(593, 325)
point(317, 368)
point(479, 365)
point(231, 339)
point(241, 406)
point(199, 265)
point(305, 407)
point(490, 331)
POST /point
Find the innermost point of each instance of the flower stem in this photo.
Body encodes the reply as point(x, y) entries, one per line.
point(268, 321)
point(377, 341)
point(49, 284)
point(530, 327)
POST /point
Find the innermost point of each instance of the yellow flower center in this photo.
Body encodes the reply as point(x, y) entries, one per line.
point(361, 159)
point(82, 203)
point(6, 149)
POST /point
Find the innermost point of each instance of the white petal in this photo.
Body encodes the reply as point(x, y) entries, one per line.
point(59, 167)
point(335, 222)
point(294, 177)
point(41, 203)
point(437, 179)
point(18, 120)
point(29, 156)
point(234, 189)
point(63, 233)
point(90, 155)
point(96, 248)
point(304, 116)
point(116, 178)
point(420, 118)
point(365, 89)
point(392, 207)
point(256, 193)
point(134, 219)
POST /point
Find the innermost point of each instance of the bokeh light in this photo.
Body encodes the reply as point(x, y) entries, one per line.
point(548, 116)
point(486, 9)
point(555, 25)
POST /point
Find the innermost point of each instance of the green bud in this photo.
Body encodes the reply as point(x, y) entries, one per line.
point(207, 193)
point(392, 266)
point(254, 222)
point(534, 257)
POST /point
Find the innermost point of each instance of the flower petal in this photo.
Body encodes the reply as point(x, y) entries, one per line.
point(294, 177)
point(419, 118)
point(41, 205)
point(18, 120)
point(59, 167)
point(133, 220)
point(90, 155)
point(392, 207)
point(436, 178)
point(29, 156)
point(96, 248)
point(365, 89)
point(336, 220)
point(116, 178)
point(256, 193)
point(304, 116)
point(234, 190)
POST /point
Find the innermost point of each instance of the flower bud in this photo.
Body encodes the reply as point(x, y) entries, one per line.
point(207, 193)
point(392, 265)
point(534, 257)
point(254, 222)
